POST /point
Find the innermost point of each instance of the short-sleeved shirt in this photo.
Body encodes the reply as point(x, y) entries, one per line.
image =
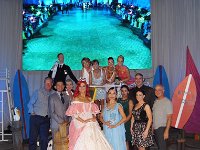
point(161, 109)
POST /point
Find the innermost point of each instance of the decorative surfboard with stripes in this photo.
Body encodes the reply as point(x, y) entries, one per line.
point(183, 101)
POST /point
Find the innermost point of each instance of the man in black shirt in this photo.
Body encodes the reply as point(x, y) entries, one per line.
point(149, 92)
point(60, 71)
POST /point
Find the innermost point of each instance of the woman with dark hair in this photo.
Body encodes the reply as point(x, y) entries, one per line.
point(113, 118)
point(127, 105)
point(141, 123)
point(110, 71)
point(84, 130)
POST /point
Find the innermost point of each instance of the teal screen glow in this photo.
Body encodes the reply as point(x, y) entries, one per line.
point(95, 34)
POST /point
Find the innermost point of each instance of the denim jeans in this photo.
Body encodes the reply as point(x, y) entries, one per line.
point(39, 125)
point(159, 137)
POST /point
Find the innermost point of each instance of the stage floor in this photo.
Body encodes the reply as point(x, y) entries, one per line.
point(190, 143)
point(95, 34)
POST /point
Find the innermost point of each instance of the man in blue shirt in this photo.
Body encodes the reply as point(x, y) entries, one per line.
point(39, 120)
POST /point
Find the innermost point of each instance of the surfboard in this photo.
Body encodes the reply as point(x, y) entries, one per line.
point(21, 99)
point(193, 123)
point(160, 77)
point(183, 101)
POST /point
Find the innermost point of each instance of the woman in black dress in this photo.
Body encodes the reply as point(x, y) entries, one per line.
point(141, 123)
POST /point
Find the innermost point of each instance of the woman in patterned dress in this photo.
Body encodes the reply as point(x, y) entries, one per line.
point(97, 78)
point(141, 123)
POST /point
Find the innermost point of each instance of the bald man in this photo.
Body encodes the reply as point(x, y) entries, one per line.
point(162, 114)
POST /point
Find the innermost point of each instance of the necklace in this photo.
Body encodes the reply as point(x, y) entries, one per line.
point(83, 99)
point(111, 105)
point(123, 101)
point(97, 74)
point(110, 69)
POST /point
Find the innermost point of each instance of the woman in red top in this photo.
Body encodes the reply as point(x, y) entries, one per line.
point(123, 72)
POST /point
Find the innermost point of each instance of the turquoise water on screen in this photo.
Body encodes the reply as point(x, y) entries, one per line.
point(95, 34)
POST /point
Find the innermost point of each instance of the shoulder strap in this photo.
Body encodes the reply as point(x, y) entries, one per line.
point(92, 73)
point(117, 105)
point(143, 105)
point(106, 73)
point(90, 106)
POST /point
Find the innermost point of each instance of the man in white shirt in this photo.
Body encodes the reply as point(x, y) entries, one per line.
point(69, 89)
point(60, 71)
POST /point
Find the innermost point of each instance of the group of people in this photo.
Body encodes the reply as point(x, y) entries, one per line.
point(34, 17)
point(139, 19)
point(105, 77)
point(73, 115)
point(65, 7)
point(136, 16)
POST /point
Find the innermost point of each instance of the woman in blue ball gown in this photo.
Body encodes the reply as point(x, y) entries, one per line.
point(113, 118)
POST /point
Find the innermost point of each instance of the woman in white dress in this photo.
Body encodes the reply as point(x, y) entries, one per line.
point(97, 78)
point(86, 69)
point(84, 130)
point(110, 74)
